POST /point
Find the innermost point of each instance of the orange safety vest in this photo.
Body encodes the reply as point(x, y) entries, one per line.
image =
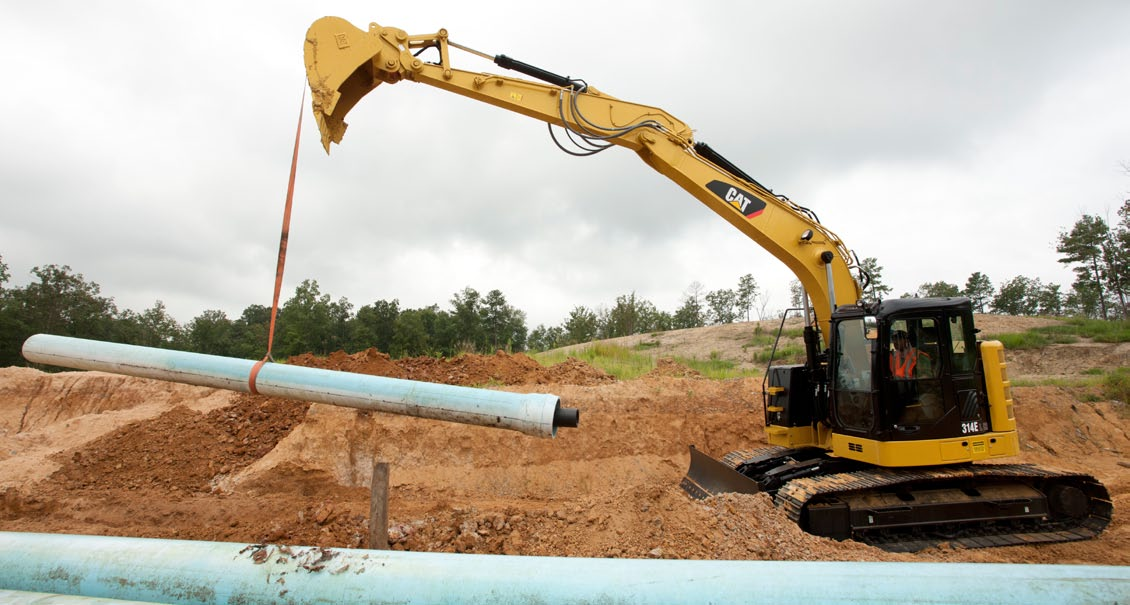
point(903, 365)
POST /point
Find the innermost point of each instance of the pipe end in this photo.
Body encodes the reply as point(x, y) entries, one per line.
point(566, 417)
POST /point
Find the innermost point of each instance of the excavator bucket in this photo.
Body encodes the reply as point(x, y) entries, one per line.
point(342, 65)
point(708, 477)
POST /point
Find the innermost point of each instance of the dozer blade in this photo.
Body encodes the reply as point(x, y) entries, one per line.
point(708, 477)
point(343, 64)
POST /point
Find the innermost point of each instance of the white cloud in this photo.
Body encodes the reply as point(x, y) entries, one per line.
point(147, 146)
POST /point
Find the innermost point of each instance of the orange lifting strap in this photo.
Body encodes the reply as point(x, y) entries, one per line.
point(282, 252)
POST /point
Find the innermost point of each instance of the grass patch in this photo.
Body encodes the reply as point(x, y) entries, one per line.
point(759, 340)
point(1116, 385)
point(626, 364)
point(1059, 381)
point(786, 353)
point(644, 345)
point(1021, 340)
point(1096, 384)
point(1071, 330)
point(1102, 331)
point(793, 333)
point(716, 368)
point(621, 362)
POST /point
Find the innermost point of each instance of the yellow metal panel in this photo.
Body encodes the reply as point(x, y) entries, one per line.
point(954, 451)
point(928, 452)
point(998, 386)
point(1004, 445)
point(797, 436)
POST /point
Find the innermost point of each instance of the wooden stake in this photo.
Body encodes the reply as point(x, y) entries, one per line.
point(378, 507)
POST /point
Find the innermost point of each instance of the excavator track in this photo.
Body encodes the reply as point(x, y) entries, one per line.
point(971, 506)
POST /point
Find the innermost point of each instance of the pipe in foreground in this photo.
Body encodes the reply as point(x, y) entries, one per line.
point(531, 413)
point(176, 571)
point(19, 597)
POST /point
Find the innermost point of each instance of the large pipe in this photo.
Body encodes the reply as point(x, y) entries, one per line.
point(20, 597)
point(531, 413)
point(175, 571)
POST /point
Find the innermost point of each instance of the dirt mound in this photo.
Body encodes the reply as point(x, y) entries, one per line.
point(665, 366)
point(467, 370)
point(102, 454)
point(182, 449)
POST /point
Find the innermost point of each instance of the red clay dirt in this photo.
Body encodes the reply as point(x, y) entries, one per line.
point(93, 453)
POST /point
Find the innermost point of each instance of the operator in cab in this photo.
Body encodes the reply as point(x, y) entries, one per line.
point(906, 360)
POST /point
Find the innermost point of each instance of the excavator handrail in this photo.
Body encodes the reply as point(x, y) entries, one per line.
point(344, 64)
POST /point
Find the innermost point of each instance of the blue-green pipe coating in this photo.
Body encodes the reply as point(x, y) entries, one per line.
point(20, 597)
point(174, 571)
point(531, 413)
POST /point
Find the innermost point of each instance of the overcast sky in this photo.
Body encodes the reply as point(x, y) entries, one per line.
point(147, 146)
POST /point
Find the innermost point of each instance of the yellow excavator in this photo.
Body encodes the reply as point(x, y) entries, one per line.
point(875, 437)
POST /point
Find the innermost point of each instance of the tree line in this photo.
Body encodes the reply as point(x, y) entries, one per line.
point(1099, 256)
point(60, 301)
point(631, 314)
point(63, 302)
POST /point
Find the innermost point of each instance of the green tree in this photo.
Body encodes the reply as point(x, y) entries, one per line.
point(341, 324)
point(938, 289)
point(797, 294)
point(630, 315)
point(722, 306)
point(979, 290)
point(1083, 301)
point(411, 337)
point(60, 302)
point(1119, 259)
point(249, 332)
point(1048, 299)
point(544, 338)
point(64, 303)
point(310, 322)
point(504, 327)
point(375, 325)
point(1087, 248)
point(13, 329)
point(467, 313)
point(1018, 296)
point(654, 320)
point(692, 313)
point(441, 330)
point(748, 293)
point(581, 326)
point(875, 288)
point(153, 327)
point(211, 333)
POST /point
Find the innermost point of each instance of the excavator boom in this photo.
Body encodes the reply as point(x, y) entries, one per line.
point(344, 63)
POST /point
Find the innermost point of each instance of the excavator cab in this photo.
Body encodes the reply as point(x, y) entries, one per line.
point(900, 382)
point(905, 371)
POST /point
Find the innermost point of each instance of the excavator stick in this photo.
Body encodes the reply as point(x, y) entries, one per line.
point(343, 64)
point(708, 477)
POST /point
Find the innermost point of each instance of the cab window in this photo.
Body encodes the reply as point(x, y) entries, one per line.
point(963, 345)
point(853, 389)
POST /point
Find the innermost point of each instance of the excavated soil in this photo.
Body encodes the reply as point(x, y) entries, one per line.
point(93, 453)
